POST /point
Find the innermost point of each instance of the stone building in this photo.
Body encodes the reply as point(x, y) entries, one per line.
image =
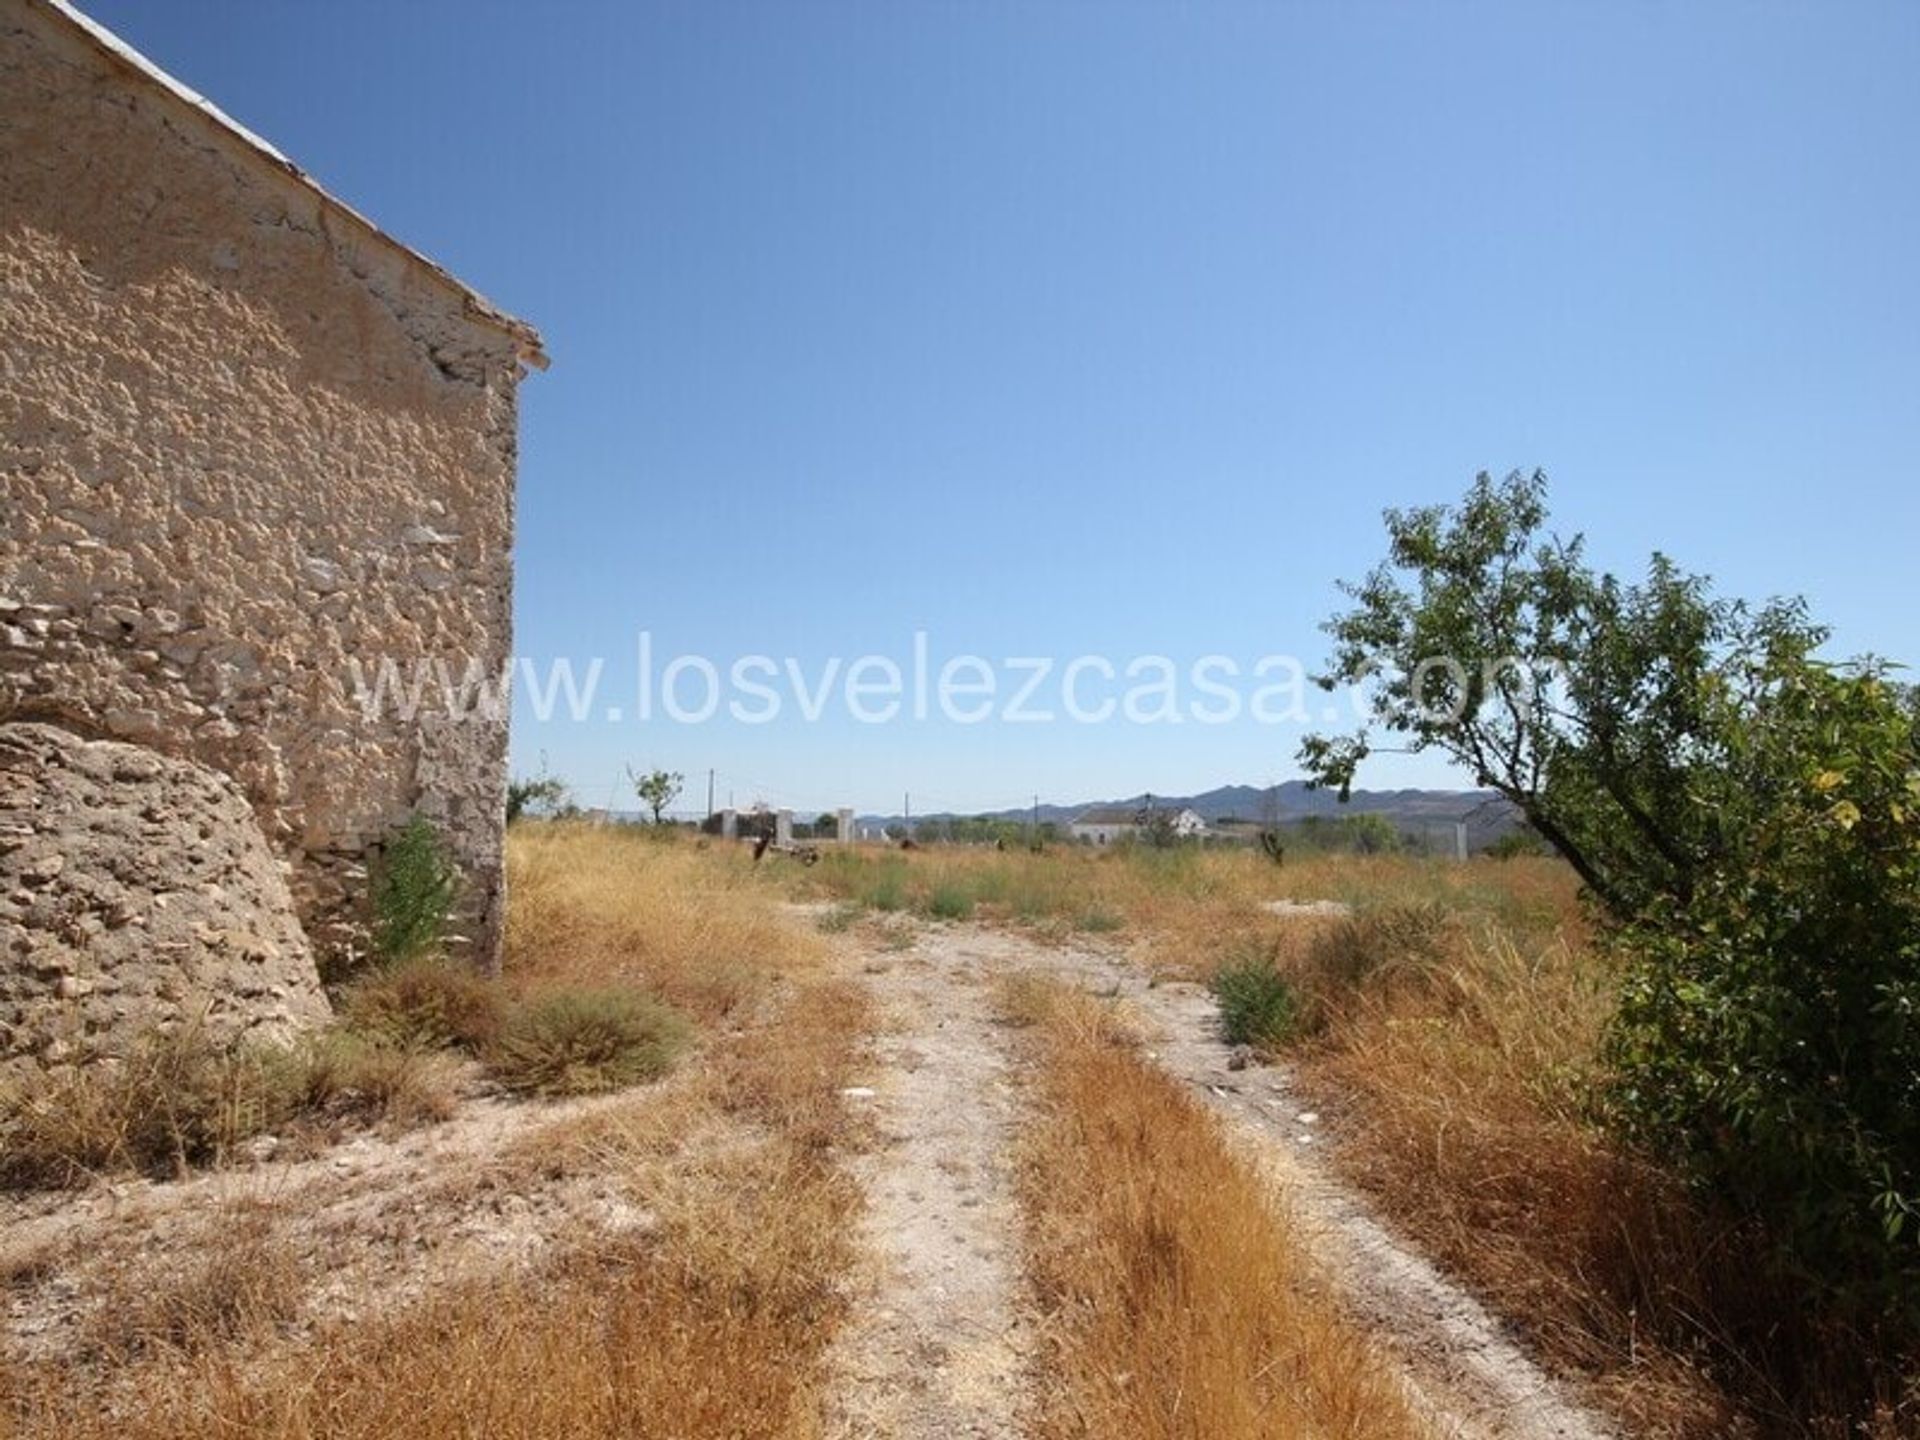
point(248, 442)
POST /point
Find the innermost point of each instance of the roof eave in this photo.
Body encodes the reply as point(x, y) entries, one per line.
point(527, 342)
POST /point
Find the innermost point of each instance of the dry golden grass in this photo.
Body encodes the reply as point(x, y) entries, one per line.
point(178, 1102)
point(710, 1325)
point(709, 1322)
point(1178, 1298)
point(1187, 906)
point(231, 1293)
point(690, 923)
point(1455, 1023)
point(1459, 1052)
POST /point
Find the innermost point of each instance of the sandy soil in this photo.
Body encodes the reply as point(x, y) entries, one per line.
point(937, 1344)
point(370, 1223)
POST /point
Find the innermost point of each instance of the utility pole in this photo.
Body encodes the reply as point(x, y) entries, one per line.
point(906, 808)
point(709, 794)
point(1035, 836)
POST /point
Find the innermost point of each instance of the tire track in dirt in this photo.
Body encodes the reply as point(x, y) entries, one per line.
point(936, 1346)
point(1466, 1369)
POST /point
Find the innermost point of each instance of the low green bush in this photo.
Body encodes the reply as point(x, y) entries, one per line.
point(416, 885)
point(1768, 1035)
point(949, 902)
point(1257, 1005)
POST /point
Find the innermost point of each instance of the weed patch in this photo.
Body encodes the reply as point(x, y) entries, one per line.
point(581, 1042)
point(1257, 1004)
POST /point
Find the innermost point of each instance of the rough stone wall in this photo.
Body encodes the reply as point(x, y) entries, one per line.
point(136, 893)
point(243, 443)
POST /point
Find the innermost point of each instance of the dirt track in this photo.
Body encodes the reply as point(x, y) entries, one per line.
point(938, 1348)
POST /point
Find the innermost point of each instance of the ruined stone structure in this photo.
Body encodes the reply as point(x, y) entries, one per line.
point(247, 441)
point(137, 894)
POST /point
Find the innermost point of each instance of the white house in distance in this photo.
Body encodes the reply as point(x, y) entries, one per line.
point(1104, 824)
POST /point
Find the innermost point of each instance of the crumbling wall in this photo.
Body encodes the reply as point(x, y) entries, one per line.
point(137, 894)
point(244, 446)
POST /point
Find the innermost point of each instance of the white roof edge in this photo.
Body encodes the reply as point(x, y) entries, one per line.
point(478, 306)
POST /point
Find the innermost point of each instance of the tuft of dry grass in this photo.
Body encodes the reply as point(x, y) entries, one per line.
point(179, 1102)
point(336, 1077)
point(425, 1004)
point(176, 1101)
point(1178, 1297)
point(585, 1041)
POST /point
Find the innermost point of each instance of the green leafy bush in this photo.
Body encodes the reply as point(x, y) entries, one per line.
point(1769, 1030)
point(536, 795)
point(1257, 1005)
point(415, 889)
point(1744, 817)
point(578, 1042)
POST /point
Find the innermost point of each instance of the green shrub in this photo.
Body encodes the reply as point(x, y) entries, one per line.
point(1098, 920)
point(885, 888)
point(578, 1042)
point(1257, 1005)
point(425, 1004)
point(1768, 1035)
point(415, 888)
point(950, 902)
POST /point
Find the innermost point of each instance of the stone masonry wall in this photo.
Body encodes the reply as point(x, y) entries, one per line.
point(243, 442)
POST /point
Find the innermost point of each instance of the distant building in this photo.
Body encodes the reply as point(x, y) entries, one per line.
point(1104, 824)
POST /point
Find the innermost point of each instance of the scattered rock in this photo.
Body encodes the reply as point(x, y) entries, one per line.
point(262, 1148)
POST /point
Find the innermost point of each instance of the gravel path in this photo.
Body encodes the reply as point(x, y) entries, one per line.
point(936, 1348)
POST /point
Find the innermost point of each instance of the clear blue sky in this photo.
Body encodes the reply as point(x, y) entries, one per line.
point(1059, 328)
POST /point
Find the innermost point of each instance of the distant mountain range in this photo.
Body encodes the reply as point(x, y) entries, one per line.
point(1487, 815)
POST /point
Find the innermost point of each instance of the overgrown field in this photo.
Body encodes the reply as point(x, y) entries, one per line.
point(1455, 1022)
point(1451, 1023)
